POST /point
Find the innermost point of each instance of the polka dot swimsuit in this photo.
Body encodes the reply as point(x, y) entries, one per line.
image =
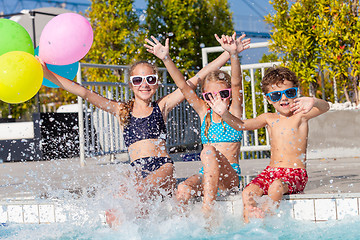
point(217, 133)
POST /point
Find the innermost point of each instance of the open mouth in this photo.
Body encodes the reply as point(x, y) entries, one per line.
point(284, 104)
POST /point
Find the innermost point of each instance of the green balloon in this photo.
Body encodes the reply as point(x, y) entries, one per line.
point(14, 38)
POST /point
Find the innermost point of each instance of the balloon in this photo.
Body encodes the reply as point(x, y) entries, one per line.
point(65, 39)
point(20, 76)
point(66, 71)
point(14, 37)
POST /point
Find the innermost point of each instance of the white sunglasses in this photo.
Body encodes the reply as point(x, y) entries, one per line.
point(138, 80)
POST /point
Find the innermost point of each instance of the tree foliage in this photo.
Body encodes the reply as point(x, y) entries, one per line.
point(190, 25)
point(119, 34)
point(316, 35)
point(116, 37)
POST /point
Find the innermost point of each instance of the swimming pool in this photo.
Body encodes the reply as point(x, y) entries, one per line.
point(80, 221)
point(66, 212)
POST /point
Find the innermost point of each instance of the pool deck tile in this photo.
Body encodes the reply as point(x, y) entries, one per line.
point(325, 209)
point(304, 210)
point(60, 214)
point(347, 207)
point(47, 213)
point(15, 213)
point(31, 213)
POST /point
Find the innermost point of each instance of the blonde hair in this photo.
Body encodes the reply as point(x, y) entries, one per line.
point(215, 76)
point(127, 107)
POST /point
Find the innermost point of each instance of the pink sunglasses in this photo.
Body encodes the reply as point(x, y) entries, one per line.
point(224, 94)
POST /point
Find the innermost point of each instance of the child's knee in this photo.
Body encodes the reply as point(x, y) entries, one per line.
point(278, 186)
point(250, 193)
point(184, 192)
point(208, 152)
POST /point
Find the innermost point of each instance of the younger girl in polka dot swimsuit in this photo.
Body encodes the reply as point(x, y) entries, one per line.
point(221, 143)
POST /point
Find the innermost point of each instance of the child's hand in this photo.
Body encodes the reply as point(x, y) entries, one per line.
point(217, 104)
point(302, 104)
point(242, 44)
point(233, 45)
point(228, 43)
point(43, 64)
point(157, 48)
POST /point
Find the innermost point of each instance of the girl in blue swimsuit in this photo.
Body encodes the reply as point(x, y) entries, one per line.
point(143, 121)
point(221, 143)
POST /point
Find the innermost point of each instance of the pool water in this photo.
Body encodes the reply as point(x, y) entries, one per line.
point(84, 220)
point(169, 225)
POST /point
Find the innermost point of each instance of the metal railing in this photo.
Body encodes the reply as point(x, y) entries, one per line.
point(248, 72)
point(101, 132)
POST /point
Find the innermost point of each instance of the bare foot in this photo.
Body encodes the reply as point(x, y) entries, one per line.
point(211, 220)
point(255, 212)
point(112, 218)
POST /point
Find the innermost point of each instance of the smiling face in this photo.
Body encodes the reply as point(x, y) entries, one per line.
point(143, 91)
point(283, 105)
point(215, 87)
point(216, 81)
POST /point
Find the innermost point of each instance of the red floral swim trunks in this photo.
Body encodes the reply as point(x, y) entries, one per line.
point(296, 178)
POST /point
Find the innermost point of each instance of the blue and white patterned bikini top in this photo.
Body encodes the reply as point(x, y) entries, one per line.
point(217, 133)
point(150, 127)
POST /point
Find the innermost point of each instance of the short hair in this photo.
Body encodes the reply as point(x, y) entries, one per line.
point(276, 76)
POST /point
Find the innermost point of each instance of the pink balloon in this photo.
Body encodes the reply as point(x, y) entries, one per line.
point(65, 39)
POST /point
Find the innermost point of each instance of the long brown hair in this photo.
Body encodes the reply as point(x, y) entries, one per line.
point(127, 107)
point(215, 76)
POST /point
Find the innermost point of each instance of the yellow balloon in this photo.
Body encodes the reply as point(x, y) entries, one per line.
point(21, 76)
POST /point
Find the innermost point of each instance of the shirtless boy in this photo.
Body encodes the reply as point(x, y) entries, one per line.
point(288, 130)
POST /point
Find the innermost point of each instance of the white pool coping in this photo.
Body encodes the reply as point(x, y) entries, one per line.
point(305, 207)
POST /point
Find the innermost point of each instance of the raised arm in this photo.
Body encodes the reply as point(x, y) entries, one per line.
point(234, 46)
point(168, 102)
point(310, 107)
point(187, 91)
point(220, 107)
point(96, 99)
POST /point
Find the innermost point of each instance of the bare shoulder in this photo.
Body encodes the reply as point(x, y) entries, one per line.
point(268, 117)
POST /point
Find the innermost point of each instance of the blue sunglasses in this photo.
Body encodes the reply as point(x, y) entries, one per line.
point(277, 95)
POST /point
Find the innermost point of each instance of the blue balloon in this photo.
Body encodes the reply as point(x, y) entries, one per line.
point(66, 71)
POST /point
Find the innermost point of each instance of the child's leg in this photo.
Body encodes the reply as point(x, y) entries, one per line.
point(277, 189)
point(161, 178)
point(189, 188)
point(228, 176)
point(209, 158)
point(250, 205)
point(217, 173)
point(112, 218)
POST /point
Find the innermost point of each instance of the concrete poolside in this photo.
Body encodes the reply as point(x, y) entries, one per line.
point(20, 180)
